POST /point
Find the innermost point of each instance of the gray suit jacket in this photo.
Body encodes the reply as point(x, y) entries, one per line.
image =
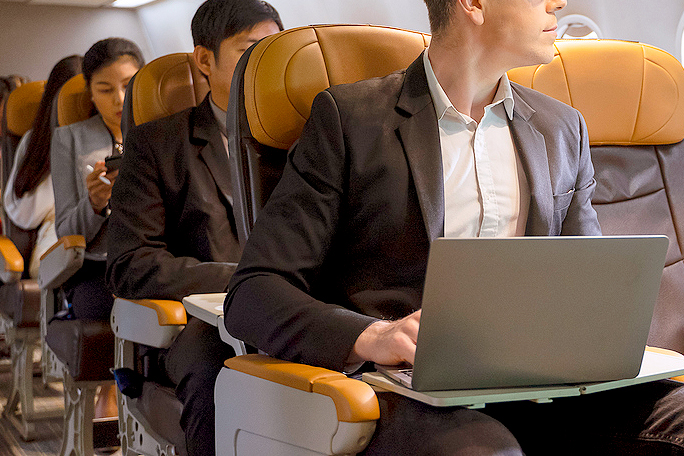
point(345, 236)
point(73, 148)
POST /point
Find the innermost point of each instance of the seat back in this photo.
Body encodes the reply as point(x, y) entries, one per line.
point(20, 112)
point(163, 87)
point(73, 102)
point(274, 85)
point(632, 97)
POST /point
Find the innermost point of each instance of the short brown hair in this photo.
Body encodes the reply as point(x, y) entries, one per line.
point(439, 12)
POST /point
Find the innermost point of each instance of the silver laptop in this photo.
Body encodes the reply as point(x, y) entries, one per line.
point(528, 311)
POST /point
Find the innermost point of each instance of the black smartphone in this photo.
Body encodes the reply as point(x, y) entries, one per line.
point(113, 162)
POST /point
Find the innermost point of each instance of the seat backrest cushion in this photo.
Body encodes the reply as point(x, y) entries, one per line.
point(632, 97)
point(74, 102)
point(166, 86)
point(629, 93)
point(287, 70)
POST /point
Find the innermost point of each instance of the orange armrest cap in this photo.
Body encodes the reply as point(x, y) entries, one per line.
point(13, 260)
point(168, 312)
point(354, 400)
point(69, 242)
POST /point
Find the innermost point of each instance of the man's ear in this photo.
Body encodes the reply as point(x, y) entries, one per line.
point(203, 58)
point(472, 9)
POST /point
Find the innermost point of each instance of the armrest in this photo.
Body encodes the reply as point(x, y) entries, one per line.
point(61, 261)
point(11, 262)
point(153, 322)
point(287, 407)
point(354, 400)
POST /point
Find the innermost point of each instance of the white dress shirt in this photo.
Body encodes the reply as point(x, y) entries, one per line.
point(486, 193)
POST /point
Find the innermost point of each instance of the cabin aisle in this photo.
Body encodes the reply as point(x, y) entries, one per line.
point(50, 431)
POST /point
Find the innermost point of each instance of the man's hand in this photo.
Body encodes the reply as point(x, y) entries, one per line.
point(388, 342)
point(99, 183)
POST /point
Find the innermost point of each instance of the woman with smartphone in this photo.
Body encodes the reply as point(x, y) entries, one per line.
point(83, 184)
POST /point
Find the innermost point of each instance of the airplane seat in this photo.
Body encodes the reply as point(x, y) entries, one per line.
point(81, 352)
point(632, 98)
point(19, 294)
point(274, 85)
point(149, 419)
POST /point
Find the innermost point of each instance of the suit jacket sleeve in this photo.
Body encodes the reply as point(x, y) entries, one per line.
point(581, 218)
point(73, 211)
point(270, 304)
point(139, 263)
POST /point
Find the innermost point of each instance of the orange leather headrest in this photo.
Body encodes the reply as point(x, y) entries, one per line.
point(74, 103)
point(167, 85)
point(22, 106)
point(287, 70)
point(629, 93)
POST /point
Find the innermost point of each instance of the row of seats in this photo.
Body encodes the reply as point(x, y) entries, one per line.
point(637, 152)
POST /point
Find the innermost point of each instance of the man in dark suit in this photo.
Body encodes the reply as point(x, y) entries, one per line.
point(333, 272)
point(172, 230)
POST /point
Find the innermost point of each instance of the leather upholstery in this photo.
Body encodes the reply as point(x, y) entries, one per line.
point(159, 405)
point(327, 55)
point(22, 106)
point(85, 347)
point(20, 301)
point(170, 84)
point(632, 97)
point(73, 102)
point(629, 93)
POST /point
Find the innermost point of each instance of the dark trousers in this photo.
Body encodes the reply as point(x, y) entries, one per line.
point(639, 420)
point(192, 363)
point(88, 293)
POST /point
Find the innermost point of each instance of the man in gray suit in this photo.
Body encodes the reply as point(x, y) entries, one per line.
point(333, 272)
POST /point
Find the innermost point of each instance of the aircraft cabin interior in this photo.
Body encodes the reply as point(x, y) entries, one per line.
point(217, 215)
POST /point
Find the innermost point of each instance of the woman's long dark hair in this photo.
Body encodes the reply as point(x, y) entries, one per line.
point(36, 164)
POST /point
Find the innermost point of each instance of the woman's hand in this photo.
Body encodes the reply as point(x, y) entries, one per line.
point(99, 183)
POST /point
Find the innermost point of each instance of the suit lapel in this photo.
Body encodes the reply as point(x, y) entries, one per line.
point(213, 153)
point(531, 146)
point(419, 134)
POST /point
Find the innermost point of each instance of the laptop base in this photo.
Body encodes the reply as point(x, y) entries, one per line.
point(655, 366)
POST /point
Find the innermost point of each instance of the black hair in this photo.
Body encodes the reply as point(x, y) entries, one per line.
point(217, 20)
point(107, 51)
point(36, 164)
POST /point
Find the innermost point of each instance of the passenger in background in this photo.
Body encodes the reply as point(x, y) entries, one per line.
point(172, 230)
point(82, 184)
point(28, 198)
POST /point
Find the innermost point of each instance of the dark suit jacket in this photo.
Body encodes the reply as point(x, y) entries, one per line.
point(344, 238)
point(172, 231)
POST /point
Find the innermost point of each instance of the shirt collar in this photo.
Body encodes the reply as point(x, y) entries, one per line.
point(439, 98)
point(220, 116)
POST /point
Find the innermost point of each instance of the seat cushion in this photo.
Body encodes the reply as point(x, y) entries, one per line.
point(85, 346)
point(20, 301)
point(160, 407)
